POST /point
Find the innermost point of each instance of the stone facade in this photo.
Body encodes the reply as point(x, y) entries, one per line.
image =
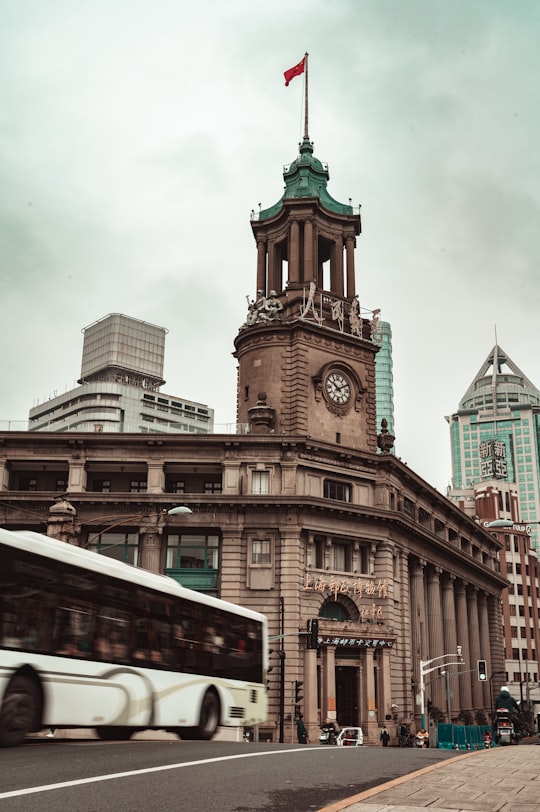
point(392, 570)
point(301, 517)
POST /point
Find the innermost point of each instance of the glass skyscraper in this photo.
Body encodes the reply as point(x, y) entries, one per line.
point(384, 379)
point(495, 434)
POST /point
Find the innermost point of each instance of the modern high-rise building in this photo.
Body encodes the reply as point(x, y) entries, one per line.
point(384, 376)
point(121, 375)
point(495, 434)
point(496, 472)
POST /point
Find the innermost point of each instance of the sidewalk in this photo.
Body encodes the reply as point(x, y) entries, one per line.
point(505, 779)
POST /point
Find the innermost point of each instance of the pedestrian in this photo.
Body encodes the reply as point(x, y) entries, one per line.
point(301, 731)
point(385, 736)
point(50, 734)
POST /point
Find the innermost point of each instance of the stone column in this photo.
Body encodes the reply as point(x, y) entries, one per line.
point(401, 625)
point(61, 522)
point(4, 475)
point(462, 624)
point(261, 264)
point(309, 269)
point(328, 687)
point(310, 694)
point(270, 273)
point(294, 251)
point(450, 645)
point(336, 267)
point(349, 248)
point(385, 697)
point(77, 476)
point(150, 547)
point(485, 652)
point(418, 619)
point(155, 476)
point(436, 639)
point(233, 566)
point(371, 726)
point(474, 644)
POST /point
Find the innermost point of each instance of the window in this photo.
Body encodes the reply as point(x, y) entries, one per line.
point(212, 487)
point(340, 491)
point(261, 552)
point(176, 486)
point(121, 546)
point(319, 553)
point(408, 507)
point(138, 486)
point(101, 486)
point(190, 551)
point(61, 485)
point(363, 559)
point(28, 484)
point(341, 557)
point(334, 611)
point(260, 483)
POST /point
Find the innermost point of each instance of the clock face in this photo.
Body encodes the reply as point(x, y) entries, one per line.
point(338, 388)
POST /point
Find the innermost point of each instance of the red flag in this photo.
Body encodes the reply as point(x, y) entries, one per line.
point(296, 71)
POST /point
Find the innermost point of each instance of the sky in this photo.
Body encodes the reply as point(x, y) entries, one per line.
point(137, 135)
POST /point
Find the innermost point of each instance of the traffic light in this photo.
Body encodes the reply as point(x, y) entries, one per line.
point(482, 670)
point(298, 696)
point(313, 633)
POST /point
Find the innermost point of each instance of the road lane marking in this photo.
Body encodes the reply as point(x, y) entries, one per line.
point(113, 776)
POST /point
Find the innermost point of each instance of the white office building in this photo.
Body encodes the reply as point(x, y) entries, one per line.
point(119, 387)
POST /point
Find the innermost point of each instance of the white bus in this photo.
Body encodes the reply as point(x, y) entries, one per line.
point(86, 641)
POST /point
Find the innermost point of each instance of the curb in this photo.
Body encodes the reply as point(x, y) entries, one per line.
point(395, 782)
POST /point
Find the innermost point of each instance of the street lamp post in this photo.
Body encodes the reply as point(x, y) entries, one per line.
point(175, 511)
point(509, 524)
point(426, 667)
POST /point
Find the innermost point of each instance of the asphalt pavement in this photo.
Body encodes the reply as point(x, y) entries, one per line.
point(503, 779)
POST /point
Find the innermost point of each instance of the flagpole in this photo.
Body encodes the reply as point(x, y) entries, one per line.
point(306, 106)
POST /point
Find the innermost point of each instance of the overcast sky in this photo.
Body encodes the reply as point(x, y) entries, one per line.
point(137, 135)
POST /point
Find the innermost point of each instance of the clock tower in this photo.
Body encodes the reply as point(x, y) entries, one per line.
point(306, 352)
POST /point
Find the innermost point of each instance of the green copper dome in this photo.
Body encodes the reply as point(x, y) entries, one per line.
point(306, 177)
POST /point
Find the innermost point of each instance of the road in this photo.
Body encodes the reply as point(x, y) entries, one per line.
point(90, 776)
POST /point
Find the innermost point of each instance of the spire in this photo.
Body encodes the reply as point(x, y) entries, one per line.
point(499, 374)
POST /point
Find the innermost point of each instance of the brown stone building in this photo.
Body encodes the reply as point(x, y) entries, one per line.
point(304, 514)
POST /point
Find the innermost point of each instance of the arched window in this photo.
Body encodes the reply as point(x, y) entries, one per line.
point(334, 611)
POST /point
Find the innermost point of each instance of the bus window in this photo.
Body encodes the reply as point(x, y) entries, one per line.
point(73, 633)
point(112, 635)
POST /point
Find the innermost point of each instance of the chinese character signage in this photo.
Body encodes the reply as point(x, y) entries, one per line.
point(353, 642)
point(374, 590)
point(493, 459)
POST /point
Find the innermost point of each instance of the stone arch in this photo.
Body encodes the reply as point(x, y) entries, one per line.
point(339, 608)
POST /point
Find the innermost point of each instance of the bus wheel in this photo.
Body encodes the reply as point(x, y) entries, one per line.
point(20, 711)
point(209, 716)
point(110, 734)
